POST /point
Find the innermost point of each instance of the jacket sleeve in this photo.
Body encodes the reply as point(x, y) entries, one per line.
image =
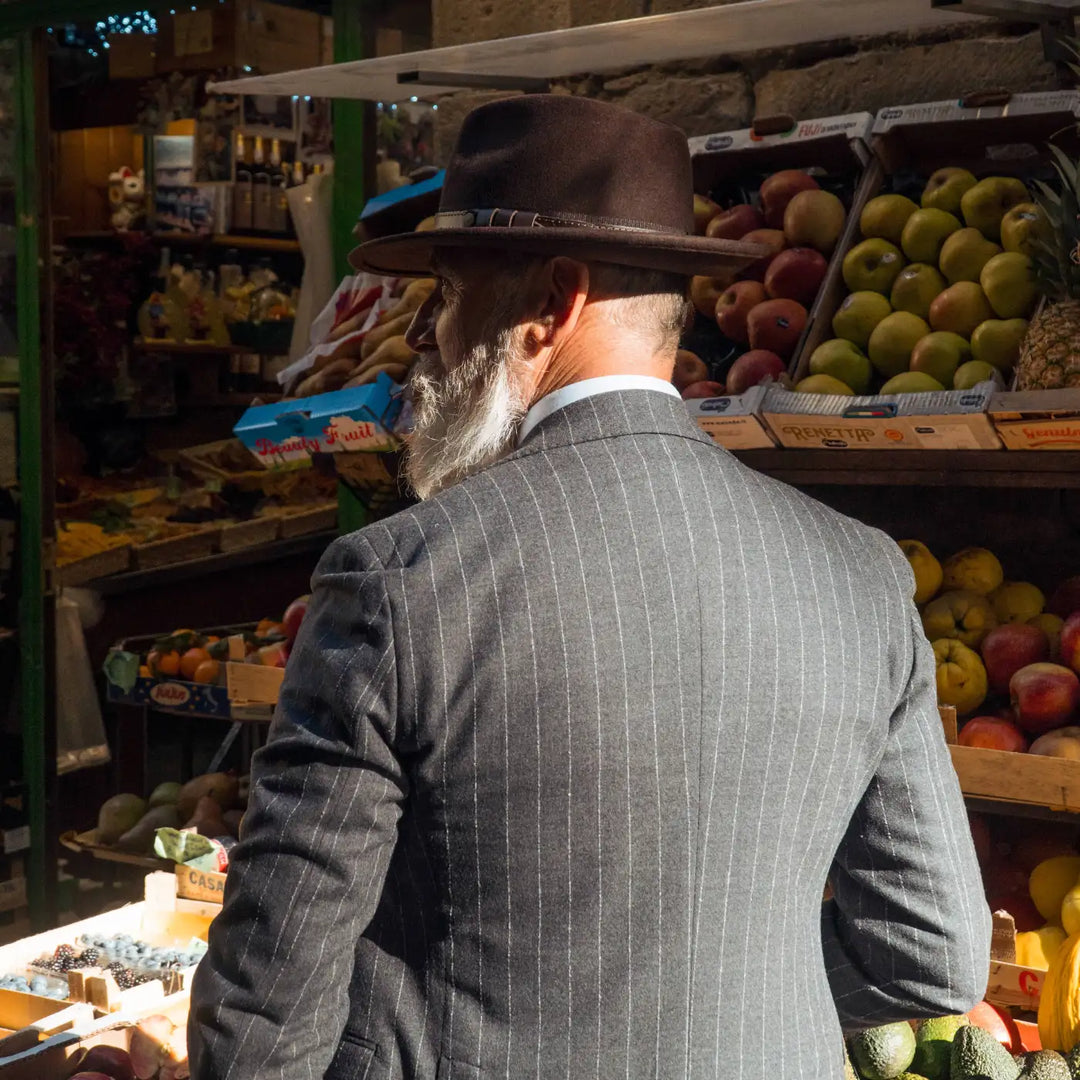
point(271, 996)
point(908, 932)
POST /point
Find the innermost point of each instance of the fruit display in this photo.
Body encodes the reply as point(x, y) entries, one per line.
point(940, 291)
point(762, 311)
point(366, 337)
point(1006, 659)
point(212, 804)
point(157, 1050)
point(1050, 354)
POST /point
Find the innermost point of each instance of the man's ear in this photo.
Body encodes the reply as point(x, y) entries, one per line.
point(558, 293)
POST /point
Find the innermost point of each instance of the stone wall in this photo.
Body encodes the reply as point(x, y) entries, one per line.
point(717, 94)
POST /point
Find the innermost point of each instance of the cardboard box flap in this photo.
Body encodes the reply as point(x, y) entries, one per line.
point(840, 144)
point(1038, 419)
point(988, 139)
point(1035, 404)
point(879, 406)
point(734, 420)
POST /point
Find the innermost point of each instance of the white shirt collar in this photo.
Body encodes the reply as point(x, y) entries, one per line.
point(604, 384)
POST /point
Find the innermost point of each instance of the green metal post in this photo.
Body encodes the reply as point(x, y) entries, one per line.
point(353, 136)
point(36, 619)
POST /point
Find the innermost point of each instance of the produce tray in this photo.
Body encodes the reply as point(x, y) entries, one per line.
point(86, 843)
point(244, 534)
point(1009, 777)
point(175, 549)
point(113, 561)
point(313, 520)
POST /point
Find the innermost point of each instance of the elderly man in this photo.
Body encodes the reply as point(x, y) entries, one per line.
point(565, 753)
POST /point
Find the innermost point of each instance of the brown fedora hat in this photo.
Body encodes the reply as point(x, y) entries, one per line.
point(557, 175)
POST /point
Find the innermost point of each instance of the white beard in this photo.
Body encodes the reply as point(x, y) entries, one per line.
point(468, 418)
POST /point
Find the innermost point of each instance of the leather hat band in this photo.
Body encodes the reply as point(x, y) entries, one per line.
point(505, 219)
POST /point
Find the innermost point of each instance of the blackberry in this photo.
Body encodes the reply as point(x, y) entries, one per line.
point(115, 968)
point(89, 958)
point(126, 979)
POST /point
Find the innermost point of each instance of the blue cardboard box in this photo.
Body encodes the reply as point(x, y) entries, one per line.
point(362, 418)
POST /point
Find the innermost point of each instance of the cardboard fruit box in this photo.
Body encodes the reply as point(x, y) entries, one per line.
point(730, 167)
point(1037, 419)
point(990, 135)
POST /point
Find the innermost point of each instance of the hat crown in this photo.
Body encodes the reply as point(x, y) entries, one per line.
point(558, 156)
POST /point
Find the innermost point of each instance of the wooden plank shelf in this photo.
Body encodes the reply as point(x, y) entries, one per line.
point(1050, 469)
point(1002, 776)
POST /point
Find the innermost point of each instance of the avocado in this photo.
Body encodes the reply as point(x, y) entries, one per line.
point(1072, 1059)
point(1045, 1065)
point(883, 1053)
point(977, 1055)
point(911, 1076)
point(933, 1045)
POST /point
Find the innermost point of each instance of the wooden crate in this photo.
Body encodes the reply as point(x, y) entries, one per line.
point(114, 561)
point(1008, 777)
point(176, 549)
point(302, 522)
point(244, 534)
point(204, 885)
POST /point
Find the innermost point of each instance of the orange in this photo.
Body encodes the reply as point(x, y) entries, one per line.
point(145, 672)
point(190, 661)
point(167, 663)
point(262, 628)
point(182, 633)
point(207, 672)
point(211, 639)
point(274, 629)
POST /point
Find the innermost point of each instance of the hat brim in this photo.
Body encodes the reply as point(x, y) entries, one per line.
point(410, 254)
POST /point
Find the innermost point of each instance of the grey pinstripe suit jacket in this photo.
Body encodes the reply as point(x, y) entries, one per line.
point(562, 761)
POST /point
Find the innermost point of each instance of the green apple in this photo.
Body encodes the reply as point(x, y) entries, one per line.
point(974, 372)
point(857, 316)
point(892, 341)
point(984, 205)
point(926, 232)
point(939, 355)
point(946, 188)
point(1022, 226)
point(844, 361)
point(914, 290)
point(885, 217)
point(823, 384)
point(960, 308)
point(997, 342)
point(964, 254)
point(912, 382)
point(1008, 280)
point(872, 265)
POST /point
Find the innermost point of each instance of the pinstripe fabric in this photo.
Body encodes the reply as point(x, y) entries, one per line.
point(562, 761)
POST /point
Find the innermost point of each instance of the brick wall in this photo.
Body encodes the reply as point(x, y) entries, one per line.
point(716, 94)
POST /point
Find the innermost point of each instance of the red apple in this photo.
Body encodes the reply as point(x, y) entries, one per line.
point(105, 1060)
point(776, 325)
point(293, 617)
point(772, 239)
point(689, 369)
point(735, 223)
point(1045, 696)
point(796, 274)
point(752, 368)
point(992, 733)
point(733, 307)
point(999, 1023)
point(703, 389)
point(1066, 598)
point(779, 189)
point(705, 291)
point(1069, 642)
point(1007, 649)
point(704, 211)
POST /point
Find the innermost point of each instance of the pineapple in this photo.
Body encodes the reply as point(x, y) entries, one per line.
point(1050, 355)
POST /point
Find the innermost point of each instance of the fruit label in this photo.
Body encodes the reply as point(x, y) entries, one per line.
point(170, 694)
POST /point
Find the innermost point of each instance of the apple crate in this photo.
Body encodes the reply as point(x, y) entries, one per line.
point(729, 168)
point(988, 134)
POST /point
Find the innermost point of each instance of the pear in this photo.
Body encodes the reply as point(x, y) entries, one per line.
point(823, 384)
point(964, 254)
point(872, 265)
point(972, 373)
point(925, 234)
point(912, 382)
point(844, 361)
point(997, 342)
point(857, 316)
point(914, 290)
point(893, 340)
point(984, 205)
point(885, 216)
point(1022, 226)
point(939, 355)
point(946, 188)
point(1009, 283)
point(960, 308)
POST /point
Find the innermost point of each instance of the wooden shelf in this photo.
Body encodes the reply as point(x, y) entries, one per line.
point(274, 244)
point(1018, 780)
point(212, 564)
point(1051, 469)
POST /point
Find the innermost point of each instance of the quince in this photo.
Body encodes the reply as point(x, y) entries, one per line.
point(964, 616)
point(926, 568)
point(1017, 601)
point(1036, 948)
point(1050, 882)
point(961, 677)
point(974, 569)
